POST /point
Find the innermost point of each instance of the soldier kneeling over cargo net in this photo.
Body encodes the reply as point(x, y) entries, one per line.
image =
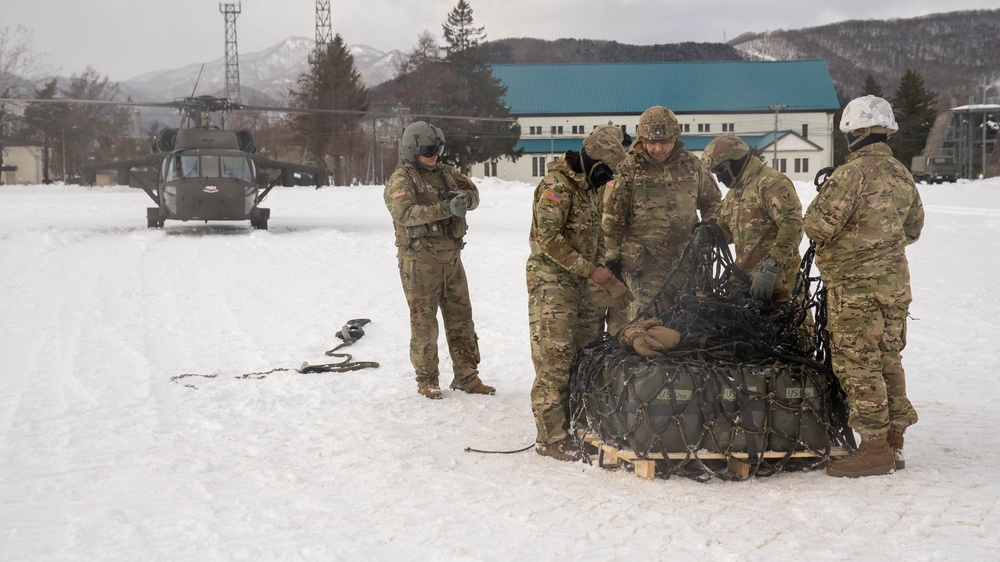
point(719, 377)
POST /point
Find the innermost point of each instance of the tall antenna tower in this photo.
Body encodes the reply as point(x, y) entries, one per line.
point(323, 36)
point(232, 51)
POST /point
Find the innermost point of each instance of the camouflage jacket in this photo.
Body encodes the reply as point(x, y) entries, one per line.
point(651, 208)
point(413, 196)
point(864, 217)
point(762, 215)
point(565, 224)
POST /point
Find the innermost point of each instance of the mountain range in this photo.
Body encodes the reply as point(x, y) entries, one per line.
point(956, 53)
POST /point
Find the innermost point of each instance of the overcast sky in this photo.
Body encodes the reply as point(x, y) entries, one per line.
point(125, 38)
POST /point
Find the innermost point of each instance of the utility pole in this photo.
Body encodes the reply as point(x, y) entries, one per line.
point(774, 163)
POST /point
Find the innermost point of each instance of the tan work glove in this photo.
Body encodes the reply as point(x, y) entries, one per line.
point(650, 338)
point(635, 336)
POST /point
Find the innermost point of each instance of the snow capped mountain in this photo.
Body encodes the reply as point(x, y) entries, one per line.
point(265, 76)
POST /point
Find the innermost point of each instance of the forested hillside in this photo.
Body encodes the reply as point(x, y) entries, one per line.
point(954, 52)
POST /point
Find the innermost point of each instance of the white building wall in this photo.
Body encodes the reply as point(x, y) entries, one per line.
point(28, 160)
point(818, 128)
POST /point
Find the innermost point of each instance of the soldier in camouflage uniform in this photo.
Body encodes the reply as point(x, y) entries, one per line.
point(761, 214)
point(651, 208)
point(564, 265)
point(428, 201)
point(863, 218)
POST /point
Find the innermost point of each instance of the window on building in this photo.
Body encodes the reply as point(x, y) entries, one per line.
point(686, 127)
point(490, 169)
point(780, 164)
point(801, 165)
point(805, 130)
point(624, 129)
point(537, 166)
point(556, 130)
point(728, 127)
point(704, 128)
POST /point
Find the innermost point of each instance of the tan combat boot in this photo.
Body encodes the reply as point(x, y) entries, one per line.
point(873, 458)
point(895, 439)
point(563, 450)
point(474, 387)
point(430, 391)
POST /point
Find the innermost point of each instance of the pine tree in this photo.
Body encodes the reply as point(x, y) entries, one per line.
point(872, 88)
point(459, 32)
point(915, 108)
point(42, 125)
point(331, 83)
point(460, 84)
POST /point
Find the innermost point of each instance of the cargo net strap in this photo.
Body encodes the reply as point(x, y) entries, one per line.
point(747, 382)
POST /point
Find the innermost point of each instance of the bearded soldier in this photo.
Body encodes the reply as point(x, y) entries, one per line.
point(428, 201)
point(651, 207)
point(564, 266)
point(863, 218)
point(761, 214)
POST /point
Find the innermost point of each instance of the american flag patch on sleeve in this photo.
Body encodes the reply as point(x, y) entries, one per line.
point(399, 193)
point(553, 196)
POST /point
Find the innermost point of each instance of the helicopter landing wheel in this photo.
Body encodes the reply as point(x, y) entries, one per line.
point(153, 219)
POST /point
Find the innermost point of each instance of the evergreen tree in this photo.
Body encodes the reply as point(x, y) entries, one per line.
point(332, 83)
point(915, 108)
point(872, 88)
point(460, 84)
point(459, 32)
point(42, 125)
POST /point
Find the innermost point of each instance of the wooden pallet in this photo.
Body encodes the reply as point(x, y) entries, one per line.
point(609, 456)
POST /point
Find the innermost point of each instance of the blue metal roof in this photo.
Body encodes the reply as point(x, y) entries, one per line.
point(696, 143)
point(684, 87)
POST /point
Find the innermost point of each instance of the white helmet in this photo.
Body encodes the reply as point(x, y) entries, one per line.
point(866, 112)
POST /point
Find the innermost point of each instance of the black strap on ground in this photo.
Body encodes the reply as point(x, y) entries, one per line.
point(342, 367)
point(471, 450)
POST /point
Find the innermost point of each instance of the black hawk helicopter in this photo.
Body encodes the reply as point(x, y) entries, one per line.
point(206, 173)
point(201, 172)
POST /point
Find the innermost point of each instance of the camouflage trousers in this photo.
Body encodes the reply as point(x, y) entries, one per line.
point(644, 286)
point(435, 280)
point(562, 320)
point(867, 325)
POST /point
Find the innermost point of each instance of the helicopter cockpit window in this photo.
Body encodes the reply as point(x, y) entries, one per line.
point(237, 167)
point(183, 166)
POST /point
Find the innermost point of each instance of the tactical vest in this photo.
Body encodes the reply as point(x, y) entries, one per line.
point(427, 193)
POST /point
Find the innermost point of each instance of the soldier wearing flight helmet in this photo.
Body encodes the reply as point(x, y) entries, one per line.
point(428, 201)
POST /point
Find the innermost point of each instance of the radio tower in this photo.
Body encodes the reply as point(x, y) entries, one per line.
point(232, 52)
point(323, 36)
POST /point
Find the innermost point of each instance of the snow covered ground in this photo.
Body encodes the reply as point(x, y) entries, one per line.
point(103, 456)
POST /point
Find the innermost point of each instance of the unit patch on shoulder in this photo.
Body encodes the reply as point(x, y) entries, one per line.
point(398, 193)
point(553, 196)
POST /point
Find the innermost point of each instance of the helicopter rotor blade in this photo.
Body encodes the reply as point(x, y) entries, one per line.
point(209, 103)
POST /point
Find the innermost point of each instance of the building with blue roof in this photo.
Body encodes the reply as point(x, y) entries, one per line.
point(783, 108)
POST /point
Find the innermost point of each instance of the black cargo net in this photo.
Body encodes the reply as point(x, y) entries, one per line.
point(748, 383)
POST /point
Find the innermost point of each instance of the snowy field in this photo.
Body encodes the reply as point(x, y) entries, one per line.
point(104, 457)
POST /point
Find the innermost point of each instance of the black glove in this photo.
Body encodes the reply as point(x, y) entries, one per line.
point(615, 266)
point(762, 286)
point(458, 203)
point(703, 239)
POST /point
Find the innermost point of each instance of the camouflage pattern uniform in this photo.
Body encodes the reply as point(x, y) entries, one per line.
point(762, 215)
point(861, 221)
point(566, 247)
point(648, 215)
point(429, 242)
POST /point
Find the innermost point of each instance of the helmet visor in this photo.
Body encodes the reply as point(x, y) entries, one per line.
point(431, 150)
